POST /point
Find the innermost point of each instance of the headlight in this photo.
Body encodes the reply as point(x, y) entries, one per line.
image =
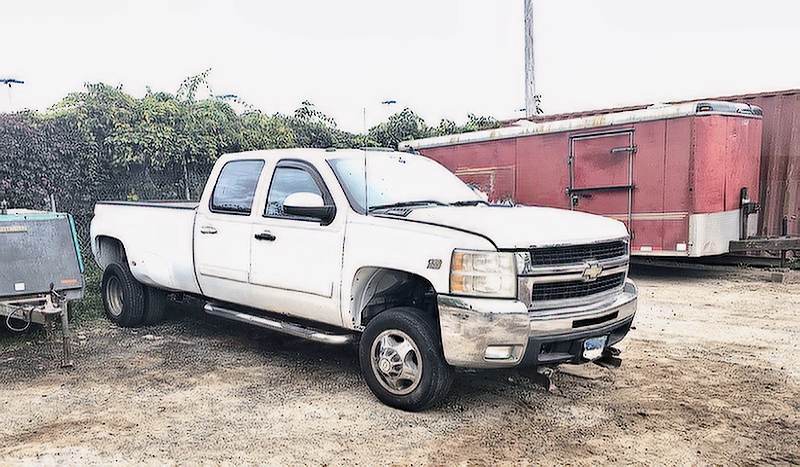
point(483, 273)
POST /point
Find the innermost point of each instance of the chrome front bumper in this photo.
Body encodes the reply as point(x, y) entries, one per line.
point(497, 333)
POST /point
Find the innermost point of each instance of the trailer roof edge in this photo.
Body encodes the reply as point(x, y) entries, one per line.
point(528, 128)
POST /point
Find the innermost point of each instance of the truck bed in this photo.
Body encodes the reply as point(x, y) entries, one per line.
point(158, 240)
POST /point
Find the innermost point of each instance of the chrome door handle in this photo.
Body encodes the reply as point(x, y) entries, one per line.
point(265, 236)
point(208, 229)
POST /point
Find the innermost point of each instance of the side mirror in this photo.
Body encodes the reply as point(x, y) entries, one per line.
point(311, 205)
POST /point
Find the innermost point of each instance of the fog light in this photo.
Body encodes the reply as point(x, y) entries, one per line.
point(499, 352)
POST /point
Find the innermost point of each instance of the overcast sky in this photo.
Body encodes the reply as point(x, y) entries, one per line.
point(441, 58)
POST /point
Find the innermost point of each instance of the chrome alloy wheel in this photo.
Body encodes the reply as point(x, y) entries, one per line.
point(114, 296)
point(396, 361)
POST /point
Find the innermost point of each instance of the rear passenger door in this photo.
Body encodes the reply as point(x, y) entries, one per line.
point(222, 232)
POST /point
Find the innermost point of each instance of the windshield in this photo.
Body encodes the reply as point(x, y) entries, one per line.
point(395, 179)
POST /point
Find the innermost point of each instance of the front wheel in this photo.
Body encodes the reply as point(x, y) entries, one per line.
point(401, 359)
point(123, 296)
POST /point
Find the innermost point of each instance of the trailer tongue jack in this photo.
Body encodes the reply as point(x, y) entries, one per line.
point(60, 302)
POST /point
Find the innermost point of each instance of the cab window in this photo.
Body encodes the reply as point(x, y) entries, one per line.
point(236, 187)
point(285, 181)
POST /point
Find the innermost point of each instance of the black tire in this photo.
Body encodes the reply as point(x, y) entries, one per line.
point(155, 302)
point(123, 296)
point(401, 360)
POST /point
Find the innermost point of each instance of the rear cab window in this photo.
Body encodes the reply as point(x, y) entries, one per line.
point(236, 187)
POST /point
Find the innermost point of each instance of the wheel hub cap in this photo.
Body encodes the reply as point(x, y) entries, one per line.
point(396, 362)
point(385, 365)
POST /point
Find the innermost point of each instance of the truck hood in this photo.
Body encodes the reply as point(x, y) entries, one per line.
point(522, 227)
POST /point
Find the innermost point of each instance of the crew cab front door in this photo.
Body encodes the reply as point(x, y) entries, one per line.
point(296, 261)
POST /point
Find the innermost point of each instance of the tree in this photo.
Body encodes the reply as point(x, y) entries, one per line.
point(474, 123)
point(407, 125)
point(260, 131)
point(152, 142)
point(40, 158)
point(162, 146)
point(312, 128)
point(399, 127)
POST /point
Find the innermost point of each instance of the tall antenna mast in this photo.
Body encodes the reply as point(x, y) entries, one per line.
point(531, 99)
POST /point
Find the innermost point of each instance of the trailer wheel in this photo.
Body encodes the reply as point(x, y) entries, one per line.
point(123, 296)
point(401, 360)
point(155, 302)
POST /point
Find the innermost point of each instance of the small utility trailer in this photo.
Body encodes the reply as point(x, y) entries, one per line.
point(41, 270)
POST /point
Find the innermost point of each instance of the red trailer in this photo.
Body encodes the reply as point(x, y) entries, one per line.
point(683, 178)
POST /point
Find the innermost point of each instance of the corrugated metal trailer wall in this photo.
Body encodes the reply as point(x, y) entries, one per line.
point(780, 160)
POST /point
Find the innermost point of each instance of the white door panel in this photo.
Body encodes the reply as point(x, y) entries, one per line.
point(303, 257)
point(222, 251)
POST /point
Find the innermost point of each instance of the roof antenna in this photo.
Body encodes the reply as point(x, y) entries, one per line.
point(366, 183)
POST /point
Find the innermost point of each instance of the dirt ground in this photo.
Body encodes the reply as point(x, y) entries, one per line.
point(710, 376)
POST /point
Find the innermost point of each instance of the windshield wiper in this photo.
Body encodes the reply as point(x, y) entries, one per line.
point(472, 202)
point(405, 204)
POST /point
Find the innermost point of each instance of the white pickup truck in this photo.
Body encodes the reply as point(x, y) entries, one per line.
point(385, 248)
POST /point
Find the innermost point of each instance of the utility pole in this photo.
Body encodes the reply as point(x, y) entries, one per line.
point(9, 82)
point(531, 98)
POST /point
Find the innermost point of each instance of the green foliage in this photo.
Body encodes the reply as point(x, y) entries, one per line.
point(90, 307)
point(163, 145)
point(399, 127)
point(476, 123)
point(40, 158)
point(260, 131)
point(101, 143)
point(313, 129)
point(187, 92)
point(407, 125)
point(98, 111)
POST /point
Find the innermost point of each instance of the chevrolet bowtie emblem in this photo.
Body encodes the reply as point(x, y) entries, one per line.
point(591, 271)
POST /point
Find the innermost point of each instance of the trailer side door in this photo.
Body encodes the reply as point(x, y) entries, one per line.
point(601, 174)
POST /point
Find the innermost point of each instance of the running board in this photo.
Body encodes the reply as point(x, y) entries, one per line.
point(281, 326)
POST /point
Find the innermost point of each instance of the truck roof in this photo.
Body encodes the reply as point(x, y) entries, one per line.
point(310, 154)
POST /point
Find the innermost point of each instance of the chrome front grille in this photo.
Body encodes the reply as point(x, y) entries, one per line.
point(575, 289)
point(554, 277)
point(577, 253)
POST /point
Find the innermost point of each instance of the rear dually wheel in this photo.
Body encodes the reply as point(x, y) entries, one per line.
point(123, 296)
